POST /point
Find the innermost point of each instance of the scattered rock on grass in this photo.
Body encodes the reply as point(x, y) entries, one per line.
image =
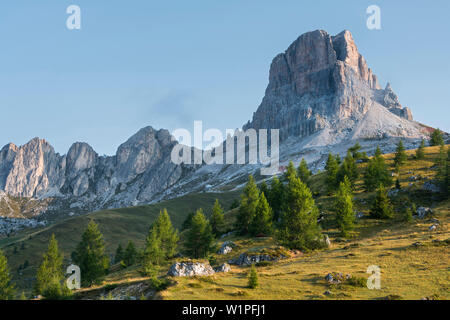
point(223, 268)
point(422, 212)
point(190, 269)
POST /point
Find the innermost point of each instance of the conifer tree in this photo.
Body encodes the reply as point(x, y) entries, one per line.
point(166, 233)
point(119, 254)
point(299, 228)
point(303, 172)
point(7, 289)
point(275, 197)
point(420, 152)
point(290, 170)
point(130, 254)
point(153, 254)
point(331, 168)
point(377, 173)
point(343, 206)
point(253, 278)
point(249, 201)
point(90, 255)
point(261, 223)
point(348, 168)
point(400, 156)
point(436, 138)
point(199, 238)
point(50, 275)
point(217, 219)
point(382, 207)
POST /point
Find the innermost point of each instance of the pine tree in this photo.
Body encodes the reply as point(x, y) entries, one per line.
point(249, 201)
point(420, 152)
point(400, 156)
point(303, 172)
point(290, 170)
point(199, 238)
point(348, 168)
point(436, 138)
point(275, 197)
point(7, 290)
point(261, 223)
point(382, 207)
point(119, 254)
point(331, 168)
point(217, 219)
point(343, 206)
point(153, 254)
point(253, 278)
point(166, 233)
point(130, 254)
point(299, 228)
point(90, 255)
point(376, 173)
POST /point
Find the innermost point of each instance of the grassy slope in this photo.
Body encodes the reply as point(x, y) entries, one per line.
point(409, 272)
point(117, 226)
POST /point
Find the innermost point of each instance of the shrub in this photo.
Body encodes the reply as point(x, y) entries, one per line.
point(253, 278)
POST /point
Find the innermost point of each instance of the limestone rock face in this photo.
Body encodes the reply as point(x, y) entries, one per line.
point(191, 269)
point(321, 82)
point(140, 169)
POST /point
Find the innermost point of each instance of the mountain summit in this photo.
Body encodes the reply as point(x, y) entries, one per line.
point(322, 83)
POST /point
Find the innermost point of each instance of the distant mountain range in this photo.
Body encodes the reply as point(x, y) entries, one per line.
point(321, 95)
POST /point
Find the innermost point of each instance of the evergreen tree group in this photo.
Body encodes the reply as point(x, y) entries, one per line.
point(377, 173)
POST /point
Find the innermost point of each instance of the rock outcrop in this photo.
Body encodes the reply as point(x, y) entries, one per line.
point(140, 169)
point(190, 269)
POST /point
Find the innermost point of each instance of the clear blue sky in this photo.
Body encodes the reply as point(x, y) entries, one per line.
point(168, 63)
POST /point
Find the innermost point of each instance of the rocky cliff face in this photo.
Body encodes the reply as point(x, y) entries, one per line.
point(323, 83)
point(140, 169)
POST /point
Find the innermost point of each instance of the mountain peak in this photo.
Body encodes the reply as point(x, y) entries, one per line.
point(321, 81)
